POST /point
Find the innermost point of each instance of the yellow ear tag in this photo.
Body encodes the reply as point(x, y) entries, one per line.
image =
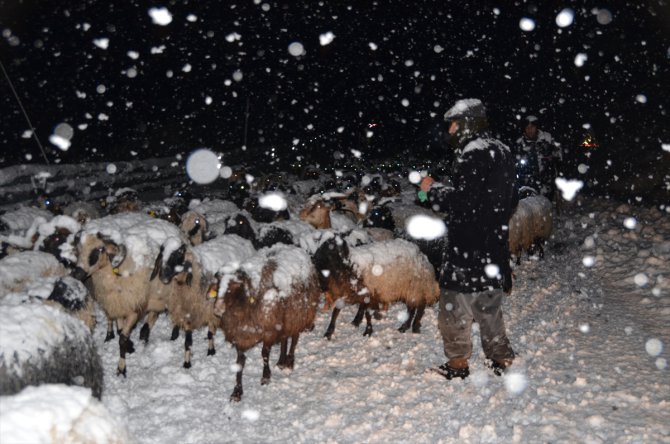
point(252, 300)
point(212, 294)
point(152, 213)
point(115, 270)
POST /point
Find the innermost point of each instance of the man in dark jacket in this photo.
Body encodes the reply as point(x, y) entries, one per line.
point(476, 269)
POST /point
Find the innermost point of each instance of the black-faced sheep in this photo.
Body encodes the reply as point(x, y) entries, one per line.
point(271, 298)
point(44, 338)
point(194, 269)
point(530, 225)
point(118, 253)
point(377, 273)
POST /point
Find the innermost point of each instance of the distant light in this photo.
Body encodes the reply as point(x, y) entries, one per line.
point(527, 24)
point(654, 347)
point(415, 177)
point(565, 17)
point(160, 16)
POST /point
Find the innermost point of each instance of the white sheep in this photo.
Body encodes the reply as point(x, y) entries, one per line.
point(118, 253)
point(530, 225)
point(271, 298)
point(194, 269)
point(376, 274)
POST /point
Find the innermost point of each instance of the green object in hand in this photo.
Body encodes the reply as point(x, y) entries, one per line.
point(423, 196)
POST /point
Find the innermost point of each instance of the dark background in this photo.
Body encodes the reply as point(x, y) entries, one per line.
point(327, 97)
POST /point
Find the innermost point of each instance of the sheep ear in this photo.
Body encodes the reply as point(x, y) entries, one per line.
point(120, 256)
point(94, 257)
point(157, 265)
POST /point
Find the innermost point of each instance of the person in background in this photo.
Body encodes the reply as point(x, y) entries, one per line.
point(475, 272)
point(538, 158)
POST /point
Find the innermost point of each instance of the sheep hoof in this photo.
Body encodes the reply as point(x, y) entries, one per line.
point(416, 329)
point(110, 336)
point(211, 352)
point(368, 331)
point(120, 371)
point(236, 396)
point(265, 380)
point(402, 329)
point(328, 335)
point(187, 364)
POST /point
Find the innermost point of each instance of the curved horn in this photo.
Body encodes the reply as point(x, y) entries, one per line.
point(157, 265)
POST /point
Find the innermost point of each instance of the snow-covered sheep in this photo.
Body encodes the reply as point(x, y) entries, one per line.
point(530, 225)
point(45, 337)
point(50, 236)
point(194, 269)
point(18, 270)
point(319, 212)
point(195, 226)
point(118, 254)
point(58, 414)
point(271, 298)
point(81, 211)
point(375, 274)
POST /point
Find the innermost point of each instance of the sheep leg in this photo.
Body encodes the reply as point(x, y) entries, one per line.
point(148, 325)
point(416, 325)
point(110, 330)
point(265, 352)
point(331, 327)
point(175, 333)
point(359, 314)
point(188, 342)
point(211, 351)
point(368, 324)
point(281, 362)
point(290, 359)
point(410, 315)
point(125, 344)
point(237, 391)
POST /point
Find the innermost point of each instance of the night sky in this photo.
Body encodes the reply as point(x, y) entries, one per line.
point(399, 64)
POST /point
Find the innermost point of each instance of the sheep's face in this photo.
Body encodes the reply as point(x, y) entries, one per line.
point(194, 225)
point(97, 252)
point(176, 264)
point(316, 214)
point(237, 294)
point(241, 226)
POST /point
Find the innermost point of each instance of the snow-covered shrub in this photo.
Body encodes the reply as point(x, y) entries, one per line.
point(58, 414)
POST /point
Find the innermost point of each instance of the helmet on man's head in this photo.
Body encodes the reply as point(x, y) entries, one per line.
point(531, 119)
point(470, 115)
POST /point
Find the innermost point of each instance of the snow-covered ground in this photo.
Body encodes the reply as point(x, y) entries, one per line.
point(589, 323)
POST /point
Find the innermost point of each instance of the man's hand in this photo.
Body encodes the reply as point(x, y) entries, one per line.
point(426, 182)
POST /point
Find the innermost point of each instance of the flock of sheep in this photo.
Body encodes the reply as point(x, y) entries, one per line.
point(257, 272)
